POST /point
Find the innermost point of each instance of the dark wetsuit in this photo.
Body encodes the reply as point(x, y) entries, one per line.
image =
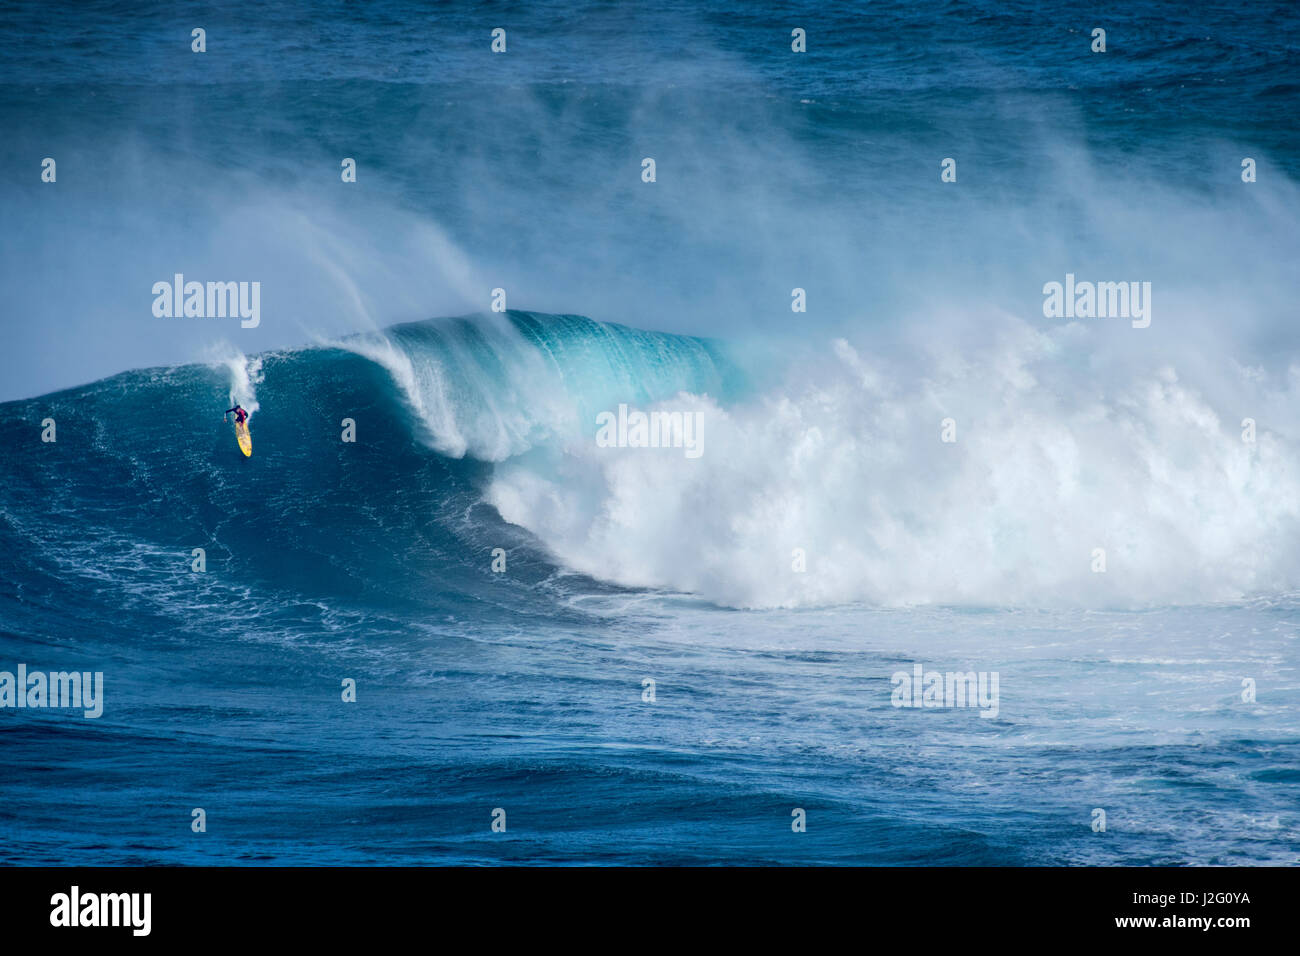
point(240, 414)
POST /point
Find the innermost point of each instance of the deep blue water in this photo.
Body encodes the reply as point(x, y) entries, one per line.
point(522, 689)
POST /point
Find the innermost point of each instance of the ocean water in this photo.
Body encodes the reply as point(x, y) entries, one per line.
point(639, 655)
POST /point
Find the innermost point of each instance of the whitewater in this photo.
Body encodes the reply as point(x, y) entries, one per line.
point(848, 465)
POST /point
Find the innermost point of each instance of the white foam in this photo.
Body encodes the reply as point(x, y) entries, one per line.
point(245, 374)
point(1054, 457)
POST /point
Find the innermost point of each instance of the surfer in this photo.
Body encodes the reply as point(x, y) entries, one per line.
point(241, 429)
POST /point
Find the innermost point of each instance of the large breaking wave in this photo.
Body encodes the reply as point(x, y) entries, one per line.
point(478, 433)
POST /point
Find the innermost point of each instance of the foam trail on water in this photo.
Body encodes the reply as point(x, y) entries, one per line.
point(245, 374)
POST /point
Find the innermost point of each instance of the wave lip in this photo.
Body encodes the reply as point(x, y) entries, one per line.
point(494, 386)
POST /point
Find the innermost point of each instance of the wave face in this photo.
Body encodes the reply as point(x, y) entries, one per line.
point(142, 470)
point(480, 432)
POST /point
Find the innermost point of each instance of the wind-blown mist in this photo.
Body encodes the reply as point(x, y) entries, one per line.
point(772, 173)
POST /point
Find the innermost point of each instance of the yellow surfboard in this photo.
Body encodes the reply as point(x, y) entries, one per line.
point(244, 438)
